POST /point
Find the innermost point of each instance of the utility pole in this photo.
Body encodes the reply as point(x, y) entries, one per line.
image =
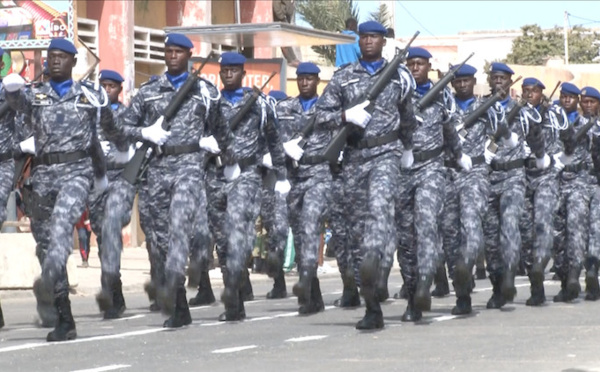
point(566, 37)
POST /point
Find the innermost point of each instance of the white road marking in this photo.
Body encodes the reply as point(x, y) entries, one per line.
point(444, 318)
point(131, 317)
point(106, 368)
point(234, 349)
point(306, 338)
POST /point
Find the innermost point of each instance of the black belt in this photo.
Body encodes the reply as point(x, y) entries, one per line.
point(505, 167)
point(531, 163)
point(374, 141)
point(474, 161)
point(5, 156)
point(180, 149)
point(575, 167)
point(60, 157)
point(423, 156)
point(112, 165)
point(312, 160)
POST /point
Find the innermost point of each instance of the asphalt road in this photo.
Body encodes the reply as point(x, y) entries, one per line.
point(555, 337)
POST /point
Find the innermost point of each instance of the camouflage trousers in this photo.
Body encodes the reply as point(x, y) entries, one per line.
point(537, 219)
point(594, 223)
point(176, 197)
point(274, 215)
point(7, 171)
point(337, 222)
point(117, 214)
point(154, 254)
point(61, 191)
point(216, 207)
point(419, 202)
point(572, 224)
point(463, 214)
point(369, 189)
point(501, 225)
point(308, 203)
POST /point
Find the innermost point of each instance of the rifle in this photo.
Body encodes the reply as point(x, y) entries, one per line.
point(235, 121)
point(572, 141)
point(337, 144)
point(131, 172)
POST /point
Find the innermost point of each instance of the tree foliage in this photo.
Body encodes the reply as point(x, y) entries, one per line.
point(382, 15)
point(535, 46)
point(328, 15)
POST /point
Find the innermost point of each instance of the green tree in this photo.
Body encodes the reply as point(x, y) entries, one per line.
point(329, 16)
point(535, 45)
point(382, 15)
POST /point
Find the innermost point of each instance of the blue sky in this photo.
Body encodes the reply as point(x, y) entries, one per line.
point(440, 18)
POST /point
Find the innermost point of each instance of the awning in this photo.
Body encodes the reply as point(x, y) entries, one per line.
point(261, 35)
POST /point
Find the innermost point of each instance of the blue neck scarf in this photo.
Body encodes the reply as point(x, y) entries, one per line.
point(233, 96)
point(177, 81)
point(372, 67)
point(464, 105)
point(308, 103)
point(423, 88)
point(115, 106)
point(61, 88)
point(505, 101)
point(572, 116)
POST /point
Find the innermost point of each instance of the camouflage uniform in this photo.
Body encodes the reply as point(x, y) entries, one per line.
point(371, 162)
point(592, 258)
point(7, 164)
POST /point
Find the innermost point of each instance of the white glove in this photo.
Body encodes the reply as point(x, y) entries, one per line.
point(407, 159)
point(465, 162)
point(155, 133)
point(358, 116)
point(488, 155)
point(138, 144)
point(28, 145)
point(512, 141)
point(123, 157)
point(283, 187)
point(340, 157)
point(266, 161)
point(232, 172)
point(105, 147)
point(209, 144)
point(558, 164)
point(13, 82)
point(292, 149)
point(526, 149)
point(564, 158)
point(543, 163)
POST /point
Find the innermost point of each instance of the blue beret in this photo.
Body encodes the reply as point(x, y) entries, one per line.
point(590, 92)
point(111, 75)
point(179, 40)
point(1, 52)
point(64, 45)
point(569, 88)
point(465, 70)
point(418, 52)
point(371, 27)
point(278, 95)
point(231, 59)
point(500, 67)
point(532, 82)
point(307, 68)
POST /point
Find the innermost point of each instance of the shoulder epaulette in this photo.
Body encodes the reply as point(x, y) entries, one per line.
point(152, 79)
point(342, 67)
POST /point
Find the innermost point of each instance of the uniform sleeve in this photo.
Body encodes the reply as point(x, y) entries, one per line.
point(329, 106)
point(273, 137)
point(132, 120)
point(112, 130)
point(567, 137)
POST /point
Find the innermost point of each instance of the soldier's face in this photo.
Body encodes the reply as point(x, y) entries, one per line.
point(307, 85)
point(176, 59)
point(232, 76)
point(568, 101)
point(499, 80)
point(60, 65)
point(533, 94)
point(371, 46)
point(113, 89)
point(464, 86)
point(590, 106)
point(419, 68)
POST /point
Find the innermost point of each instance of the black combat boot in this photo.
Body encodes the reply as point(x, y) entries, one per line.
point(303, 290)
point(350, 296)
point(279, 289)
point(205, 295)
point(573, 287)
point(150, 289)
point(592, 288)
point(422, 297)
point(104, 298)
point(536, 278)
point(1, 317)
point(382, 284)
point(316, 299)
point(497, 300)
point(181, 315)
point(441, 283)
point(118, 307)
point(561, 296)
point(232, 297)
point(65, 326)
point(45, 304)
point(509, 291)
point(411, 314)
point(462, 288)
point(369, 273)
point(247, 292)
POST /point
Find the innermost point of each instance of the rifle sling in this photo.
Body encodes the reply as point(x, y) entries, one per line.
point(52, 158)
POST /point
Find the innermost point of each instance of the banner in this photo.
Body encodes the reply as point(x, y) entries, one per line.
point(32, 24)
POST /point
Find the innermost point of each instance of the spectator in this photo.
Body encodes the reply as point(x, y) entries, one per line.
point(283, 11)
point(84, 232)
point(348, 53)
